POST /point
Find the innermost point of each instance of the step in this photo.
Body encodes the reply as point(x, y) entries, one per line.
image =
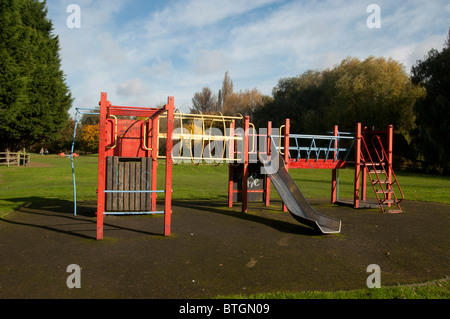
point(388, 191)
point(371, 164)
point(378, 171)
point(380, 182)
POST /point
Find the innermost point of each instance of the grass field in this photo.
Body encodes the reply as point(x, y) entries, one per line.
point(50, 177)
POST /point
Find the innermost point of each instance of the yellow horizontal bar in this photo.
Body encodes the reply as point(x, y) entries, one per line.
point(201, 137)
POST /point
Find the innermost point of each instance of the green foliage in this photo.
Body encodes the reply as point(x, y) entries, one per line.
point(433, 111)
point(34, 99)
point(376, 92)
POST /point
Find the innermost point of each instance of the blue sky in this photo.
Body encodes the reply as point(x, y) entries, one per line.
point(140, 51)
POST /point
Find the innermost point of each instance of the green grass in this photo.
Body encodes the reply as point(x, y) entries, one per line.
point(50, 178)
point(432, 290)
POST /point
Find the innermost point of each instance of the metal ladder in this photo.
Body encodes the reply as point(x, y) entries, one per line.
point(378, 171)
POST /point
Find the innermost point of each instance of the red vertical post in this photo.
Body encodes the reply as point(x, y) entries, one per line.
point(101, 164)
point(154, 155)
point(334, 170)
point(230, 164)
point(286, 150)
point(357, 166)
point(246, 160)
point(365, 172)
point(390, 143)
point(169, 161)
point(230, 185)
point(269, 152)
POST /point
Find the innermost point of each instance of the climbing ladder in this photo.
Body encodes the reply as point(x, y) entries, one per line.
point(378, 167)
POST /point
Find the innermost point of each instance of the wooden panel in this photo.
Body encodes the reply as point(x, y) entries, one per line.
point(132, 184)
point(128, 174)
point(109, 182)
point(148, 196)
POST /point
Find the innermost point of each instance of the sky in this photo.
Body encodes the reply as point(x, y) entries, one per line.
point(142, 51)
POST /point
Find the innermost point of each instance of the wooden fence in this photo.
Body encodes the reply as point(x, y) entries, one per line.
point(15, 159)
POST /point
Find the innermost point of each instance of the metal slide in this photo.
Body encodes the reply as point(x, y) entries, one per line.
point(297, 204)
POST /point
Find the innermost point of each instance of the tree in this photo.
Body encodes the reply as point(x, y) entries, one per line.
point(225, 92)
point(34, 99)
point(204, 102)
point(296, 98)
point(89, 137)
point(64, 142)
point(433, 111)
point(375, 92)
point(246, 102)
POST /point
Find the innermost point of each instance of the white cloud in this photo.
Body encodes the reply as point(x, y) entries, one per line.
point(158, 70)
point(131, 88)
point(183, 46)
point(210, 62)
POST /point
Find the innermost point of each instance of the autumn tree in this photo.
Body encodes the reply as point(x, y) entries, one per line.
point(90, 137)
point(204, 102)
point(225, 92)
point(245, 102)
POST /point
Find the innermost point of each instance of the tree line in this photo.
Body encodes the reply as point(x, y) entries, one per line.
point(35, 100)
point(376, 92)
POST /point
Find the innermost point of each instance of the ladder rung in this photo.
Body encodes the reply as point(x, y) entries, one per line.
point(380, 171)
point(372, 164)
point(380, 182)
point(388, 191)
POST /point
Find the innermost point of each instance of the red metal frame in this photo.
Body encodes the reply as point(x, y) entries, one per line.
point(169, 162)
point(334, 171)
point(269, 153)
point(287, 129)
point(126, 138)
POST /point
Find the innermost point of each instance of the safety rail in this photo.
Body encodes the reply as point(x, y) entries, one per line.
point(328, 151)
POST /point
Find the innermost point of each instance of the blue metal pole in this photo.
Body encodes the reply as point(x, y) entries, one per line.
point(73, 168)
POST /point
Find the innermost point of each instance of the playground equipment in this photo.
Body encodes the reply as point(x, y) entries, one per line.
point(297, 204)
point(373, 156)
point(132, 139)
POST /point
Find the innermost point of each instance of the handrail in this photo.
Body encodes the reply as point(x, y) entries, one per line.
point(115, 132)
point(313, 147)
point(384, 155)
point(279, 140)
